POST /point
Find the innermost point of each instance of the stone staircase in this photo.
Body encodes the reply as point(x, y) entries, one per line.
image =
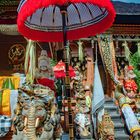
point(113, 110)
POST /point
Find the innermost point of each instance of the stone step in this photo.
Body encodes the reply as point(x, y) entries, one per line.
point(115, 117)
point(109, 104)
point(111, 109)
point(119, 126)
point(121, 136)
point(65, 136)
point(109, 101)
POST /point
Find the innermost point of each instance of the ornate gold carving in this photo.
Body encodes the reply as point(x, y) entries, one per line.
point(106, 128)
point(16, 56)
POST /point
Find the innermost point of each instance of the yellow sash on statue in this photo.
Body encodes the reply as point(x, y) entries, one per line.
point(5, 106)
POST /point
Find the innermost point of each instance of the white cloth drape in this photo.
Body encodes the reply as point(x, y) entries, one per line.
point(98, 98)
point(13, 101)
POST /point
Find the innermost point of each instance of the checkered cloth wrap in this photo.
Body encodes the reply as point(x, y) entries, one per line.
point(5, 124)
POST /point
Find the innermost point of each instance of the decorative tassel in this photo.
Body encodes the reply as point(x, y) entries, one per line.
point(80, 51)
point(68, 52)
point(126, 50)
point(30, 61)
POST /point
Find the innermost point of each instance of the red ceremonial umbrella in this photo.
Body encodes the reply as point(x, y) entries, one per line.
point(59, 20)
point(59, 70)
point(42, 19)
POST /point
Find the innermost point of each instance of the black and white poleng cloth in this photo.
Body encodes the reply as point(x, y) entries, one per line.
point(5, 124)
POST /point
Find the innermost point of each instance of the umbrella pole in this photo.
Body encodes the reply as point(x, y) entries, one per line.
point(67, 78)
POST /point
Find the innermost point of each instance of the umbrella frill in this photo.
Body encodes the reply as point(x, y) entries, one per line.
point(35, 21)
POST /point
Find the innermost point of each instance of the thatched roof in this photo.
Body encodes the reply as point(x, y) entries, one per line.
point(127, 8)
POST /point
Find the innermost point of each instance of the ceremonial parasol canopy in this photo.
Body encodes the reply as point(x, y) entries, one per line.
point(42, 19)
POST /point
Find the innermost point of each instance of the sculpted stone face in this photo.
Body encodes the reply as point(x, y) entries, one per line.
point(41, 112)
point(35, 118)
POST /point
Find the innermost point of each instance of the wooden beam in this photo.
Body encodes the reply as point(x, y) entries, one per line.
point(119, 29)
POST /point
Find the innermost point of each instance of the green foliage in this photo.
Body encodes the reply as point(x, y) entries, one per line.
point(135, 61)
point(53, 62)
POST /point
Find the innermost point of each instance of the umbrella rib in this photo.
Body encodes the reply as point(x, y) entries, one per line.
point(89, 10)
point(31, 25)
point(78, 13)
point(31, 18)
point(67, 19)
point(42, 15)
point(102, 10)
point(54, 13)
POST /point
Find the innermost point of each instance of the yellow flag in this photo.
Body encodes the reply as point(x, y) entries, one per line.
point(5, 106)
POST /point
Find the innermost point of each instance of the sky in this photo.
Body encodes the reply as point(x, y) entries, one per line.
point(134, 1)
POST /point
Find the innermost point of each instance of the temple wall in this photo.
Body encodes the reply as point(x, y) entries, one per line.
point(6, 42)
